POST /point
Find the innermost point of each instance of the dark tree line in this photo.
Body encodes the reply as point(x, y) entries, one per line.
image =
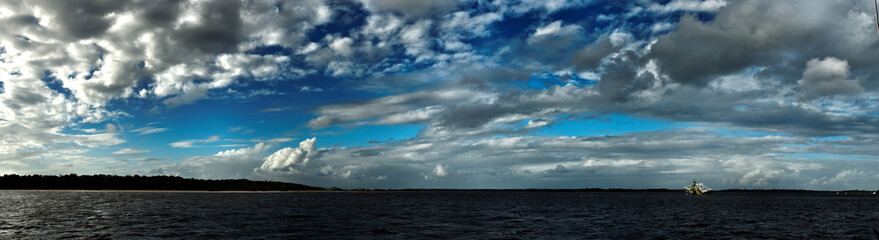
point(136, 182)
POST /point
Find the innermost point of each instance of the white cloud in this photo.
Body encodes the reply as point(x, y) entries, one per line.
point(149, 130)
point(130, 151)
point(548, 6)
point(182, 144)
point(310, 89)
point(255, 150)
point(342, 46)
point(173, 42)
point(191, 143)
point(845, 177)
point(292, 160)
point(232, 163)
point(462, 23)
point(440, 170)
point(689, 6)
point(552, 28)
point(279, 140)
point(537, 123)
point(32, 116)
point(661, 27)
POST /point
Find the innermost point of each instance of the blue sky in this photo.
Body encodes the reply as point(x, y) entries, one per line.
point(445, 94)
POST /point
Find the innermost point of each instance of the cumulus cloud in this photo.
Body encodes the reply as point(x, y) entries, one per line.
point(555, 40)
point(61, 62)
point(782, 37)
point(846, 177)
point(293, 160)
point(175, 44)
point(828, 77)
point(440, 170)
point(232, 163)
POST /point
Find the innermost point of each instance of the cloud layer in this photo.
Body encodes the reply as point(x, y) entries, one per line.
point(504, 93)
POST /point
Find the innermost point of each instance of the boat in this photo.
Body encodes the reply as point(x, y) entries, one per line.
point(697, 188)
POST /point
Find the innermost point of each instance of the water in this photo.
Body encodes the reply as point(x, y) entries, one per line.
point(431, 215)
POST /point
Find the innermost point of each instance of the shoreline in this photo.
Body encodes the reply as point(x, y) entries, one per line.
point(766, 191)
point(158, 191)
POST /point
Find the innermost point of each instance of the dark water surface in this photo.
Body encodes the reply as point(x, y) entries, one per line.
point(434, 214)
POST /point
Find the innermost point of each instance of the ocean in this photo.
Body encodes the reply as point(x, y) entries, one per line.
point(435, 215)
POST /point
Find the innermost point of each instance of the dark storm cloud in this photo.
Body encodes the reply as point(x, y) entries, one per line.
point(80, 19)
point(590, 57)
point(765, 33)
point(739, 110)
point(359, 111)
point(621, 77)
point(412, 8)
point(828, 77)
point(552, 44)
point(160, 12)
point(218, 30)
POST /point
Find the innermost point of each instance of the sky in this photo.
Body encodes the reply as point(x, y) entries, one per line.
point(445, 94)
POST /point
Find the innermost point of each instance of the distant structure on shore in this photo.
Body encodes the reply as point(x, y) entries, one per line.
point(697, 188)
point(136, 182)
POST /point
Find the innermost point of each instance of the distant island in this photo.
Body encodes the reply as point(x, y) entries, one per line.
point(137, 182)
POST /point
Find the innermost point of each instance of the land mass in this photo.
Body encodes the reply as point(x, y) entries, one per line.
point(136, 182)
point(174, 183)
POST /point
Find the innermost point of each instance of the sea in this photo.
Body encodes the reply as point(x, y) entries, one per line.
point(435, 215)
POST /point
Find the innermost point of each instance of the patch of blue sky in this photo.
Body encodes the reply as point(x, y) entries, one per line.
point(596, 17)
point(343, 20)
point(515, 26)
point(239, 118)
point(271, 50)
point(741, 108)
point(830, 139)
point(546, 80)
point(794, 146)
point(55, 84)
point(199, 121)
point(364, 135)
point(607, 124)
point(589, 12)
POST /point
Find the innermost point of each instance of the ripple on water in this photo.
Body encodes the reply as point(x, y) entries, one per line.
point(420, 215)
